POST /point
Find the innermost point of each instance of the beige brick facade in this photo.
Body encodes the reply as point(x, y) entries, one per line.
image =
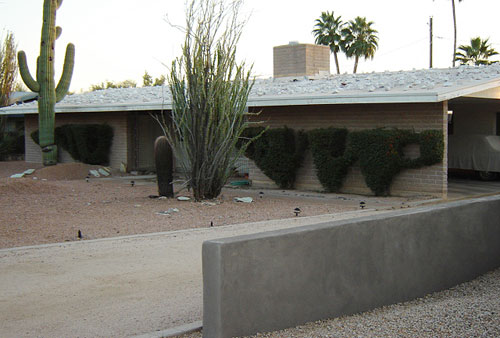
point(300, 60)
point(428, 180)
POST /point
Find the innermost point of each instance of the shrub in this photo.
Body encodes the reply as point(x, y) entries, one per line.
point(328, 147)
point(87, 143)
point(278, 153)
point(11, 143)
point(380, 153)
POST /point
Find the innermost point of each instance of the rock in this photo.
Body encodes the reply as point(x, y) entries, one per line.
point(29, 171)
point(94, 173)
point(103, 172)
point(167, 212)
point(243, 199)
point(183, 198)
point(17, 175)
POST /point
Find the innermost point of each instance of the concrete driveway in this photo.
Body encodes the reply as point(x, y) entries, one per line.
point(114, 287)
point(466, 187)
point(127, 286)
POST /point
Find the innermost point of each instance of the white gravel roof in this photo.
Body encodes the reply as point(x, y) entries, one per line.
point(428, 85)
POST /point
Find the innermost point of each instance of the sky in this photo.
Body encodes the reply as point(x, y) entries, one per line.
point(118, 40)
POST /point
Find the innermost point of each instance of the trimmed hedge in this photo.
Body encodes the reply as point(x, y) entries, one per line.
point(277, 152)
point(87, 143)
point(380, 153)
point(11, 143)
point(328, 149)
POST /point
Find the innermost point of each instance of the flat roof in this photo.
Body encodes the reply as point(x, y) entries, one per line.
point(417, 86)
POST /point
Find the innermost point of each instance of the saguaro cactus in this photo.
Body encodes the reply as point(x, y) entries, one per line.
point(44, 85)
point(164, 167)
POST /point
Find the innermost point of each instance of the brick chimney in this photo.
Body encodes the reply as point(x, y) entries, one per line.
point(297, 59)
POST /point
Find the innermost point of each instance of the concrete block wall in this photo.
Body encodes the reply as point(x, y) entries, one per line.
point(116, 120)
point(300, 60)
point(428, 180)
point(279, 279)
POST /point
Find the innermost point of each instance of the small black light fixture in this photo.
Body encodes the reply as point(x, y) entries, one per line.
point(211, 223)
point(132, 183)
point(87, 179)
point(362, 204)
point(261, 194)
point(296, 211)
point(80, 234)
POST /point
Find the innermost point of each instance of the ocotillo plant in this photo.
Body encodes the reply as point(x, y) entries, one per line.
point(44, 85)
point(164, 167)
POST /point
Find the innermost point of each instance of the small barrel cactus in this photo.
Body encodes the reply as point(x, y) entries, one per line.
point(164, 167)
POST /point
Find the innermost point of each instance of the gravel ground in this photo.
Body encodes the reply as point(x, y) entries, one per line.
point(59, 203)
point(470, 309)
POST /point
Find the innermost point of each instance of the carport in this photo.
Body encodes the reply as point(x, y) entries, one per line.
point(474, 140)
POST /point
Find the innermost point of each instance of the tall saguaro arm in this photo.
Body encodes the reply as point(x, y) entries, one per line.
point(44, 85)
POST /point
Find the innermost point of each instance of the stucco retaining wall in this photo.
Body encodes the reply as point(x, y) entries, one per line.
point(279, 279)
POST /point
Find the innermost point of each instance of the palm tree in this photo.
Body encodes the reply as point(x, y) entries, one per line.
point(477, 53)
point(454, 30)
point(360, 40)
point(328, 33)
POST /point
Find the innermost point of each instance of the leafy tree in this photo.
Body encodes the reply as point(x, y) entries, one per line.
point(209, 97)
point(111, 84)
point(159, 81)
point(328, 33)
point(360, 40)
point(147, 80)
point(477, 53)
point(8, 74)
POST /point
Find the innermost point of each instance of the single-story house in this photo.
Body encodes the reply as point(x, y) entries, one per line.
point(460, 101)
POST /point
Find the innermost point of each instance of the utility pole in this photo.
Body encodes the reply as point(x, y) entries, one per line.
point(430, 42)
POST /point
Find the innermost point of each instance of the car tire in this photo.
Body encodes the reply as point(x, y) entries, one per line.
point(487, 175)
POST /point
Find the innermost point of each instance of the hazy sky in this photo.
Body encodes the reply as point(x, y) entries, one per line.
point(120, 39)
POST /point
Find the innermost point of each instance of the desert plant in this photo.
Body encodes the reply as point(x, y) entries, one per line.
point(44, 84)
point(209, 96)
point(164, 167)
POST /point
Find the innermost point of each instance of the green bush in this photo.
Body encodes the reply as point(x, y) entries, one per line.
point(11, 143)
point(278, 153)
point(380, 153)
point(87, 143)
point(328, 149)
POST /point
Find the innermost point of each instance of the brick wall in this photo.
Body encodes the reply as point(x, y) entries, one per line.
point(428, 180)
point(116, 120)
point(300, 60)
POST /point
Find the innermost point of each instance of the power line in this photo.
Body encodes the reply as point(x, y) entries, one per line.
point(404, 46)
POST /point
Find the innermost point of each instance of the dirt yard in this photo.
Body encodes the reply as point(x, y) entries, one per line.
point(54, 203)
